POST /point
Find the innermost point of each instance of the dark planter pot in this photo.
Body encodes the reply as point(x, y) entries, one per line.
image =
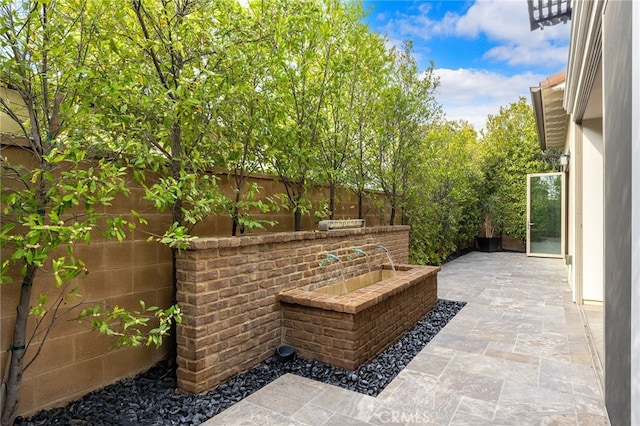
point(488, 245)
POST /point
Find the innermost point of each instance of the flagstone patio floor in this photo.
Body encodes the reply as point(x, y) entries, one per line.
point(517, 354)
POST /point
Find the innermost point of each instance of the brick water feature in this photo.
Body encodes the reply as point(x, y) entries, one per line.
point(348, 324)
point(228, 290)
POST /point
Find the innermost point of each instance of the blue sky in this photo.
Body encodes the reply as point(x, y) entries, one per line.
point(484, 53)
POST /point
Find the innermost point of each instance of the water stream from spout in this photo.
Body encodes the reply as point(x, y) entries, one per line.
point(383, 248)
point(331, 256)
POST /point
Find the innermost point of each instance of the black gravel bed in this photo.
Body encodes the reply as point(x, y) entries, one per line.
point(456, 255)
point(151, 398)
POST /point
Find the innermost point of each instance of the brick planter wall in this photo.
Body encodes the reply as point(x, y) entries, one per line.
point(228, 287)
point(349, 330)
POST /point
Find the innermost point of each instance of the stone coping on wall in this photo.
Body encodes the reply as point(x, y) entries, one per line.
point(363, 298)
point(282, 237)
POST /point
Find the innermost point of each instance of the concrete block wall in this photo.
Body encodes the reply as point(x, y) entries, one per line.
point(227, 289)
point(76, 359)
point(375, 207)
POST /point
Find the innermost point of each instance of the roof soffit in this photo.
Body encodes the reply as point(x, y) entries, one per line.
point(551, 117)
point(585, 53)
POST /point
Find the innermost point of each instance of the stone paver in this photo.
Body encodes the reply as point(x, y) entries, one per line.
point(517, 354)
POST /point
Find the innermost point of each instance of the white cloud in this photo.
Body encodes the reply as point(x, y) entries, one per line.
point(505, 23)
point(472, 94)
point(507, 57)
point(407, 24)
point(515, 55)
point(499, 20)
point(509, 20)
point(474, 115)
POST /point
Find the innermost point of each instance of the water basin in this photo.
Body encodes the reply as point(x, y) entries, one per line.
point(348, 323)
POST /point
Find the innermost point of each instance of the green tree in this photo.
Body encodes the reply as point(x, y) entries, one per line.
point(442, 205)
point(408, 107)
point(368, 101)
point(53, 203)
point(158, 86)
point(509, 151)
point(351, 102)
point(303, 47)
point(243, 109)
point(352, 67)
point(371, 73)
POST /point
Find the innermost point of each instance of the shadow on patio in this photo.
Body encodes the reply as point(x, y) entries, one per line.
point(516, 354)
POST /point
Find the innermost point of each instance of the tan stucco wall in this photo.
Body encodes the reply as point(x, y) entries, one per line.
point(8, 125)
point(585, 210)
point(572, 195)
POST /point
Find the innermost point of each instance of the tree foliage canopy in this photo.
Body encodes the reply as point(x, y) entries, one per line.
point(444, 193)
point(508, 152)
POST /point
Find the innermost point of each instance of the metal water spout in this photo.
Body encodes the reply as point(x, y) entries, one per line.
point(332, 256)
point(329, 258)
point(359, 251)
point(362, 253)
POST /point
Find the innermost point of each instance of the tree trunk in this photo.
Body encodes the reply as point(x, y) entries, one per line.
point(392, 216)
point(403, 218)
point(297, 219)
point(240, 179)
point(234, 221)
point(18, 344)
point(360, 207)
point(297, 214)
point(178, 217)
point(14, 379)
point(332, 200)
point(235, 216)
point(176, 169)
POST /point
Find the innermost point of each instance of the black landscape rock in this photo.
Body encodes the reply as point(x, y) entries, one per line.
point(152, 398)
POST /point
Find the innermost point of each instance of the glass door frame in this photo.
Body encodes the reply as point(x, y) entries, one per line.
point(563, 217)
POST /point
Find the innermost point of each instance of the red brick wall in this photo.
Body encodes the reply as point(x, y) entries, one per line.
point(227, 288)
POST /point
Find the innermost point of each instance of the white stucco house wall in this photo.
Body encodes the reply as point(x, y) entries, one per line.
point(591, 114)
